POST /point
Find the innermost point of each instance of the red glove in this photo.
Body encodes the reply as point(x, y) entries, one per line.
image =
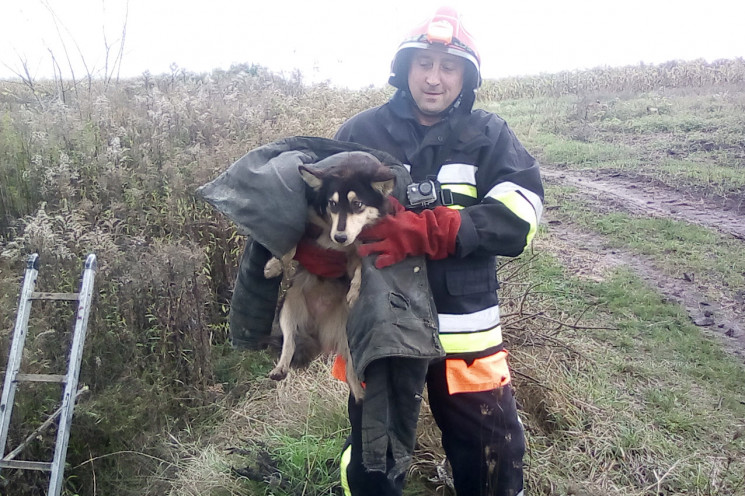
point(404, 233)
point(320, 261)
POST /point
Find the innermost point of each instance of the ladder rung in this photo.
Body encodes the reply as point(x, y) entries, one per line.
point(26, 465)
point(54, 296)
point(41, 378)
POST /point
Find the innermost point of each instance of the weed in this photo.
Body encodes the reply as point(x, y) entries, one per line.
point(620, 393)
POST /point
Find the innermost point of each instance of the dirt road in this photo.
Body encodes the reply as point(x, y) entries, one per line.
point(651, 200)
point(589, 255)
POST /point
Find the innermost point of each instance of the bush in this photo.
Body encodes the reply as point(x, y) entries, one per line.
point(112, 170)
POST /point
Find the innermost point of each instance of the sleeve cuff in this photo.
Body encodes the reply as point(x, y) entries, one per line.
point(468, 238)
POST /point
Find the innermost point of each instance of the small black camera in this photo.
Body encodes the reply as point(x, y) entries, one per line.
point(421, 194)
point(427, 193)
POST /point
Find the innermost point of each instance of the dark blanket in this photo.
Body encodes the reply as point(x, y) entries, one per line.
point(393, 323)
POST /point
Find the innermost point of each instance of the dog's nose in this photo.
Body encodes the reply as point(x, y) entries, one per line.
point(340, 238)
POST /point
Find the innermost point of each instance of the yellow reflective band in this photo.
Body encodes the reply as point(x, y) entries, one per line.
point(346, 457)
point(463, 189)
point(522, 208)
point(464, 342)
point(509, 187)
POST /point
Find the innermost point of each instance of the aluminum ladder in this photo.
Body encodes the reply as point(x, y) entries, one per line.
point(70, 380)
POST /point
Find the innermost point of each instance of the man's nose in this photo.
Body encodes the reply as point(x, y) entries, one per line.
point(433, 77)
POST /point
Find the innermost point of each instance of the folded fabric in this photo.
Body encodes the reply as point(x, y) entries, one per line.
point(394, 316)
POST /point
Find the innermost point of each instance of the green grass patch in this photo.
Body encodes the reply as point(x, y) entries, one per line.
point(635, 392)
point(306, 464)
point(717, 179)
point(282, 438)
point(676, 246)
point(233, 367)
point(559, 150)
point(683, 138)
point(527, 116)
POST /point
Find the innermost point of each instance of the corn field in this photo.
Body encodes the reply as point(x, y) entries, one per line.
point(632, 79)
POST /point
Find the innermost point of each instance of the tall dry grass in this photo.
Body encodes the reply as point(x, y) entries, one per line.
point(112, 169)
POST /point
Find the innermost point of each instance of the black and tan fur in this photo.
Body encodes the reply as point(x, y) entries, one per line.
point(343, 199)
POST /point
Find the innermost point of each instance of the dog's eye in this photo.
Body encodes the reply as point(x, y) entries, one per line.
point(333, 204)
point(357, 205)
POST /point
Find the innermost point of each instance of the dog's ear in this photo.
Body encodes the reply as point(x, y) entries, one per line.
point(310, 177)
point(384, 180)
point(385, 187)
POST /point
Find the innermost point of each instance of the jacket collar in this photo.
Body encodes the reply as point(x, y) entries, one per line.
point(402, 126)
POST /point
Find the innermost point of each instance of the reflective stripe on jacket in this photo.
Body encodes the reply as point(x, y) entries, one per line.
point(496, 186)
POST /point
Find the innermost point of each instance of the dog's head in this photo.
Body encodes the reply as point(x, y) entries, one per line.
point(349, 195)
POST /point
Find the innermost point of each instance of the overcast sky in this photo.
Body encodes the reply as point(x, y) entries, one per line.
point(351, 42)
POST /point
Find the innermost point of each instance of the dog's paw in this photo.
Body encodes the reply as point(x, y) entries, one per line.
point(273, 268)
point(278, 373)
point(357, 390)
point(355, 285)
point(352, 296)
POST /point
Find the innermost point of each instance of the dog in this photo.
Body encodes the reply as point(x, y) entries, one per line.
point(343, 199)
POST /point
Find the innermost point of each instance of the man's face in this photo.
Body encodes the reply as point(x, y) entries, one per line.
point(435, 81)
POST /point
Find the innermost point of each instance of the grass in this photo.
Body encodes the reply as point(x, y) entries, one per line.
point(629, 400)
point(580, 154)
point(113, 171)
point(286, 438)
point(613, 409)
point(676, 136)
point(678, 248)
point(621, 395)
point(710, 177)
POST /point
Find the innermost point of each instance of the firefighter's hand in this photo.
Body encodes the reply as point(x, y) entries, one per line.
point(404, 233)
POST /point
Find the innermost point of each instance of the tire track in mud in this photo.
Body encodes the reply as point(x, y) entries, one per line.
point(649, 199)
point(589, 255)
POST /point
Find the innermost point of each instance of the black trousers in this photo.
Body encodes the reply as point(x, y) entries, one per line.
point(481, 433)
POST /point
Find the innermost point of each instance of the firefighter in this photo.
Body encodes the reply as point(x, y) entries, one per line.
point(487, 202)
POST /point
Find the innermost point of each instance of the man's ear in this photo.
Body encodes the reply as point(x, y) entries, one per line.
point(385, 187)
point(310, 177)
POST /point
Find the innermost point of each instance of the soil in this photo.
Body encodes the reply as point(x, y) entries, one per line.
point(589, 255)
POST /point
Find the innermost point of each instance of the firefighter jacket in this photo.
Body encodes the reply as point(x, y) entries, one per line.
point(496, 185)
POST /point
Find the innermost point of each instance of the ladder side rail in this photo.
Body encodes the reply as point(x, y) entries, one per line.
point(16, 349)
point(73, 372)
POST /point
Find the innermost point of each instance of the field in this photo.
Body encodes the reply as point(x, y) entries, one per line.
point(624, 319)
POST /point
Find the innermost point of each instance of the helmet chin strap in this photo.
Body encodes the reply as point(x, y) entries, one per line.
point(456, 103)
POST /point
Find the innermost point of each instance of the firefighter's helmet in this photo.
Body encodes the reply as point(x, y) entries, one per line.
point(445, 32)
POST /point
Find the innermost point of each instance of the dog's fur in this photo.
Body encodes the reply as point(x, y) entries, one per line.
point(343, 199)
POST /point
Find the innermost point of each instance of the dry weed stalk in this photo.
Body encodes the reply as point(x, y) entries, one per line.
point(113, 170)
